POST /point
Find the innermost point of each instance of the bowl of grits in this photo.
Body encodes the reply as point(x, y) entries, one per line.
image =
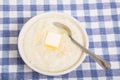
point(47, 49)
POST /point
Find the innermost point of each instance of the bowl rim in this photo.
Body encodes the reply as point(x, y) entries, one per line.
point(29, 23)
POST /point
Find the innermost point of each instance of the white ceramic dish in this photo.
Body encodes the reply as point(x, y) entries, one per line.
point(31, 22)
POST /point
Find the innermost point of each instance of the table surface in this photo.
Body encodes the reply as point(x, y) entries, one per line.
point(101, 19)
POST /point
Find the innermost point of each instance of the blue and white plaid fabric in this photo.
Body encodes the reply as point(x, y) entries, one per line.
point(101, 18)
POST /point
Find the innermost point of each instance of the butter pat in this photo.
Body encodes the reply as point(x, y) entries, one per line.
point(53, 39)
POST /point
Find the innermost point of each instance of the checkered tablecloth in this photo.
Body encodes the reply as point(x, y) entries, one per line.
point(101, 19)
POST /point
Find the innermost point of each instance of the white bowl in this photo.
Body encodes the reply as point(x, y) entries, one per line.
point(32, 21)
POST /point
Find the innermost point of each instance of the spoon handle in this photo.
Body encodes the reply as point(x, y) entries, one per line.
point(103, 63)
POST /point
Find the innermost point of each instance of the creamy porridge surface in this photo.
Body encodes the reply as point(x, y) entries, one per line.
point(45, 58)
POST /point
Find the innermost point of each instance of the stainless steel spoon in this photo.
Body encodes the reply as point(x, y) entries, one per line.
point(103, 63)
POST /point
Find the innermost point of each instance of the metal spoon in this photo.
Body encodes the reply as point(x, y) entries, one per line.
point(103, 63)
